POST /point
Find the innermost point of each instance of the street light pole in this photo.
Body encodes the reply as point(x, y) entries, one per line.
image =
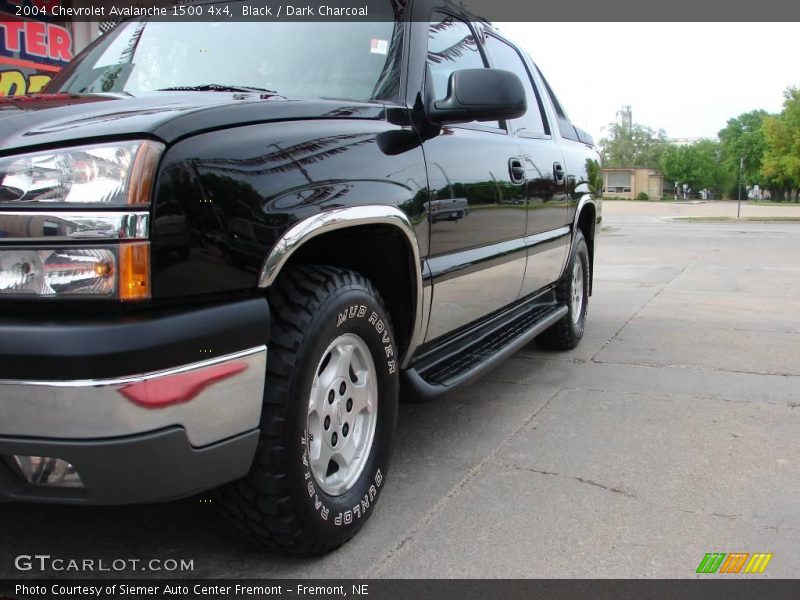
point(739, 205)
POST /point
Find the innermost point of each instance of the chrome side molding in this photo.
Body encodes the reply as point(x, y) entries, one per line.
point(342, 218)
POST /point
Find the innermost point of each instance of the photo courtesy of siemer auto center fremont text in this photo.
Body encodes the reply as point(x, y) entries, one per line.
point(399, 298)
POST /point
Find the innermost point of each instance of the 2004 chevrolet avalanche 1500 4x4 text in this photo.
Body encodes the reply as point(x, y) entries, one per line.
point(220, 268)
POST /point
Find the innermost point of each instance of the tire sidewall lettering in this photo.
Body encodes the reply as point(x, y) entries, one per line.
point(360, 508)
point(363, 318)
point(360, 311)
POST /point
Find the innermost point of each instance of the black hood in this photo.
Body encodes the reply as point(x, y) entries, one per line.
point(28, 122)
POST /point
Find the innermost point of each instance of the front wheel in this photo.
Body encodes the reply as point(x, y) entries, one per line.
point(329, 415)
point(573, 291)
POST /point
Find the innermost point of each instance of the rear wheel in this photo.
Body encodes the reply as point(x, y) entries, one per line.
point(329, 415)
point(573, 292)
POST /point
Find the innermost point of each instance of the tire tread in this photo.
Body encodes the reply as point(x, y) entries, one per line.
point(260, 506)
point(561, 335)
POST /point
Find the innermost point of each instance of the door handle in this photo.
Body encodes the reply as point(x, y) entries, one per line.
point(558, 172)
point(516, 170)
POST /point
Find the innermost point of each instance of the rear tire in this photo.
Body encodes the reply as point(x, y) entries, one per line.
point(323, 455)
point(573, 291)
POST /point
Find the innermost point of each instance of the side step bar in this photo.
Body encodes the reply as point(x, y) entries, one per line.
point(444, 371)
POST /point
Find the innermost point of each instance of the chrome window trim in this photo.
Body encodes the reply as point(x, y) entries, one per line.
point(70, 226)
point(341, 218)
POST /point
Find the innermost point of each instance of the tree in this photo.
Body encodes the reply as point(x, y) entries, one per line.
point(638, 146)
point(698, 165)
point(594, 177)
point(743, 137)
point(782, 156)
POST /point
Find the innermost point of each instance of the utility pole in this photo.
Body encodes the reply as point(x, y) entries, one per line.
point(739, 204)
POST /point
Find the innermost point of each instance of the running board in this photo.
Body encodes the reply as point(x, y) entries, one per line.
point(444, 371)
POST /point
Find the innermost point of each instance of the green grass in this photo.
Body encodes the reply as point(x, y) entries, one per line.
point(617, 199)
point(765, 203)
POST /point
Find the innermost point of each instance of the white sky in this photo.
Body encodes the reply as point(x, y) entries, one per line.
point(685, 78)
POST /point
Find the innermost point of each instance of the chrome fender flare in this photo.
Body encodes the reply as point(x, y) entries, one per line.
point(342, 218)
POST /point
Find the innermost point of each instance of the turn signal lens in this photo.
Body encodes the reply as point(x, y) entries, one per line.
point(134, 271)
point(143, 173)
point(121, 272)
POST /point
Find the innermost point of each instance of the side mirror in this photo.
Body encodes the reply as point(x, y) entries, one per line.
point(478, 95)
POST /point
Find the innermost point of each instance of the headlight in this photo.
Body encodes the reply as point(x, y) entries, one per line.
point(109, 272)
point(43, 262)
point(113, 174)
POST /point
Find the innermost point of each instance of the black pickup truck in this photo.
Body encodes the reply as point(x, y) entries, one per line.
point(220, 270)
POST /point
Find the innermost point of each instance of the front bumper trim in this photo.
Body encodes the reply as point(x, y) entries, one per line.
point(216, 409)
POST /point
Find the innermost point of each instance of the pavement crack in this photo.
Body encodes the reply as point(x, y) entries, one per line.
point(779, 527)
point(702, 513)
point(650, 394)
point(537, 471)
point(423, 523)
point(608, 488)
point(642, 307)
point(693, 368)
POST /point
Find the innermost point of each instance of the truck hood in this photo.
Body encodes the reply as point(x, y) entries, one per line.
point(27, 122)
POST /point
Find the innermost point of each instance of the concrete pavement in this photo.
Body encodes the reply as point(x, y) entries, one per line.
point(701, 208)
point(671, 431)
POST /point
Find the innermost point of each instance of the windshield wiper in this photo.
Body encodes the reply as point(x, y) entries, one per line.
point(217, 87)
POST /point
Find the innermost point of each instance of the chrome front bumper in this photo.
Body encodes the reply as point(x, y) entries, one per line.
point(211, 400)
point(143, 405)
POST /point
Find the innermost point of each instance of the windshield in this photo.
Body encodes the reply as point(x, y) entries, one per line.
point(351, 60)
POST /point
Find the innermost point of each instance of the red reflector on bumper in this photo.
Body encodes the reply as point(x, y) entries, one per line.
point(169, 390)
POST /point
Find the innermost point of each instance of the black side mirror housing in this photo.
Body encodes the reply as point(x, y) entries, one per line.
point(477, 95)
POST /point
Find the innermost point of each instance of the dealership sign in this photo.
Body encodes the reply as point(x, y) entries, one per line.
point(31, 51)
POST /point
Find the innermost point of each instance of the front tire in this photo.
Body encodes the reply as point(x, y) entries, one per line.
point(573, 291)
point(328, 422)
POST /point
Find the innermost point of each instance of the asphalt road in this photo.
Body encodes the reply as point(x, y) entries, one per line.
point(671, 431)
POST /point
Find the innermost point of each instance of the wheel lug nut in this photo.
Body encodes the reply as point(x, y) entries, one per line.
point(349, 404)
point(331, 395)
point(334, 439)
point(342, 389)
point(345, 429)
point(327, 423)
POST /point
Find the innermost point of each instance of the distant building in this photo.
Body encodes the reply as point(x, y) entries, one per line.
point(628, 183)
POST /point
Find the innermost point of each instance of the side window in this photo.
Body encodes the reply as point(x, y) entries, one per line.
point(566, 128)
point(451, 47)
point(506, 57)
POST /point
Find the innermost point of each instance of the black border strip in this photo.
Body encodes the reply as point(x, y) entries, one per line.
point(735, 588)
point(563, 11)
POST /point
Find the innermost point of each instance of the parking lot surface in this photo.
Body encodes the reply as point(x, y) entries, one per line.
point(670, 432)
